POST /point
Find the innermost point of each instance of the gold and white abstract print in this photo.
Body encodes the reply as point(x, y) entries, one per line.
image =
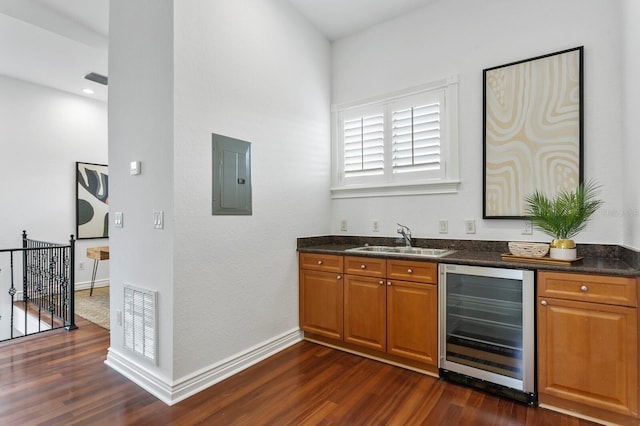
point(532, 133)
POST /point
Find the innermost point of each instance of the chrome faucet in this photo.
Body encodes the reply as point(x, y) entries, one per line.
point(406, 234)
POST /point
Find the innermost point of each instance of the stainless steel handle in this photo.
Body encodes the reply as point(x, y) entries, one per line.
point(363, 266)
point(409, 271)
point(584, 288)
point(543, 302)
point(319, 262)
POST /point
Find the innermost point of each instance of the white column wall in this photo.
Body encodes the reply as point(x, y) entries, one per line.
point(463, 37)
point(180, 71)
point(252, 70)
point(141, 129)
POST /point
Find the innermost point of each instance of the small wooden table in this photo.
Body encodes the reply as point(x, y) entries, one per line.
point(97, 254)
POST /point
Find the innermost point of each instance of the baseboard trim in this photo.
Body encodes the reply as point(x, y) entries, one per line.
point(139, 374)
point(86, 285)
point(172, 393)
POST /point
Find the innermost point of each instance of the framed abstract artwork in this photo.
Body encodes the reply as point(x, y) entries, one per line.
point(533, 130)
point(92, 200)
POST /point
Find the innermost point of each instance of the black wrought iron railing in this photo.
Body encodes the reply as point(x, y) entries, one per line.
point(42, 298)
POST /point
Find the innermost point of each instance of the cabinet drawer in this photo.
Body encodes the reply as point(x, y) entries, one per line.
point(589, 288)
point(424, 272)
point(368, 266)
point(321, 262)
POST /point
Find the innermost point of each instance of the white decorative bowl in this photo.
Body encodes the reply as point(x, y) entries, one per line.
point(526, 249)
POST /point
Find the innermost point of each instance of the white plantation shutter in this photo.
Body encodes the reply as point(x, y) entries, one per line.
point(364, 146)
point(416, 138)
point(404, 143)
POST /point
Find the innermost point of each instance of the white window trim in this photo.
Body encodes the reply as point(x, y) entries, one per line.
point(448, 184)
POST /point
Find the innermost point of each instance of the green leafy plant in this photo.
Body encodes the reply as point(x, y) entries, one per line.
point(567, 214)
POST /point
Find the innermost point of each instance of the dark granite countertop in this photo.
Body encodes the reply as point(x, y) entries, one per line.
point(596, 259)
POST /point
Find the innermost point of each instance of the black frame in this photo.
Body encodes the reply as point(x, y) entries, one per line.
point(518, 181)
point(97, 186)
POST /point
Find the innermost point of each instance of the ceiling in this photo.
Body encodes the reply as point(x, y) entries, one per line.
point(55, 43)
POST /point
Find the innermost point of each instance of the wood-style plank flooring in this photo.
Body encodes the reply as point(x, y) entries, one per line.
point(61, 379)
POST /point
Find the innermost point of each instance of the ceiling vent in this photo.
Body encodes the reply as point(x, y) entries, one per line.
point(98, 78)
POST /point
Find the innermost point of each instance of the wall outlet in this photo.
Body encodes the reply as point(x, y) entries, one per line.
point(443, 226)
point(376, 226)
point(527, 227)
point(470, 226)
point(81, 266)
point(343, 225)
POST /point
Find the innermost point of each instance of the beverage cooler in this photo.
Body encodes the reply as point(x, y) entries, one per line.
point(487, 329)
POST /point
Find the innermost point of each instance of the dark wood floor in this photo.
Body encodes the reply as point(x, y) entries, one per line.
point(61, 379)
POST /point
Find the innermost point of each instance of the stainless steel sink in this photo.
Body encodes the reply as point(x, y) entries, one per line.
point(402, 251)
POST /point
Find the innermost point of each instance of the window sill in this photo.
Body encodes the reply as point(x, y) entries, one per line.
point(396, 189)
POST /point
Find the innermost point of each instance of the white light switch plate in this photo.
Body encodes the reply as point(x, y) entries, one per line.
point(158, 220)
point(118, 220)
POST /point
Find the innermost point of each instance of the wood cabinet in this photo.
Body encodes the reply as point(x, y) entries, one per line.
point(397, 315)
point(412, 321)
point(386, 309)
point(588, 344)
point(365, 306)
point(365, 302)
point(321, 294)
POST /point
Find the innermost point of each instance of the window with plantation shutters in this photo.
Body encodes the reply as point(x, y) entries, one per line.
point(416, 138)
point(404, 143)
point(364, 146)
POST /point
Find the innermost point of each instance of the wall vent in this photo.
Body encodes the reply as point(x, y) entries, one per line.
point(98, 78)
point(140, 322)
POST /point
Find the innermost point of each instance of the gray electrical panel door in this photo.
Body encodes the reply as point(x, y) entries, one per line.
point(231, 176)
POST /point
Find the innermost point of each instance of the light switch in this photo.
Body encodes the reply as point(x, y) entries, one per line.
point(158, 220)
point(134, 168)
point(117, 220)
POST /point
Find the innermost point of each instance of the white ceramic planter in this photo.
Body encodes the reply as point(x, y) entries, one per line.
point(563, 253)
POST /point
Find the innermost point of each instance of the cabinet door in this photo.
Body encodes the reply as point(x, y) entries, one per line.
point(587, 353)
point(412, 321)
point(321, 300)
point(365, 311)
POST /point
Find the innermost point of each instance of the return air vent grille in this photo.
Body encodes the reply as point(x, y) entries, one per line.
point(140, 322)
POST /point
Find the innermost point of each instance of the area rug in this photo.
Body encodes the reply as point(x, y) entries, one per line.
point(94, 308)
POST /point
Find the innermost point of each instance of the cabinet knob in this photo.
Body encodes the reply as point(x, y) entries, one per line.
point(339, 277)
point(388, 283)
point(409, 271)
point(319, 262)
point(381, 282)
point(584, 288)
point(363, 266)
point(543, 302)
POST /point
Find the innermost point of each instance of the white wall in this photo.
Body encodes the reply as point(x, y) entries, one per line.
point(463, 37)
point(249, 69)
point(43, 133)
point(630, 113)
point(141, 129)
point(252, 70)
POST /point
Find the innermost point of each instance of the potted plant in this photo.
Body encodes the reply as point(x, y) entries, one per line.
point(563, 216)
